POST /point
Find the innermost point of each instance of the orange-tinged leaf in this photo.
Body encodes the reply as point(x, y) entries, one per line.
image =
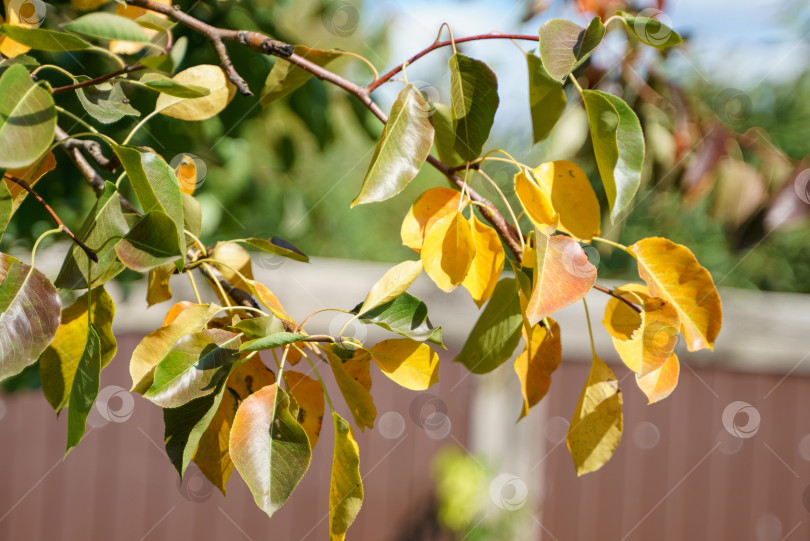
point(133, 12)
point(186, 173)
point(448, 252)
point(487, 264)
point(250, 376)
point(535, 364)
point(236, 259)
point(212, 455)
point(308, 395)
point(672, 272)
point(536, 201)
point(394, 282)
point(660, 383)
point(562, 275)
point(346, 485)
point(620, 320)
point(31, 174)
point(157, 288)
point(359, 368)
point(412, 364)
point(596, 427)
point(431, 206)
point(654, 340)
point(267, 298)
point(175, 311)
point(572, 198)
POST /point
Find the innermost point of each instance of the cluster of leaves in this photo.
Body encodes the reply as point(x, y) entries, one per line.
point(223, 407)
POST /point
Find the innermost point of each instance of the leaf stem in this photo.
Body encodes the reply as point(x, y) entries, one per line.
point(194, 286)
point(590, 329)
point(612, 243)
point(41, 237)
point(320, 379)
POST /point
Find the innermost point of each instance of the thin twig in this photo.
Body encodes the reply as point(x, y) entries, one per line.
point(615, 296)
point(93, 149)
point(20, 182)
point(99, 79)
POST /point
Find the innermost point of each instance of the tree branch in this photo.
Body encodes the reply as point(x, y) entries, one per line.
point(615, 296)
point(20, 182)
point(99, 79)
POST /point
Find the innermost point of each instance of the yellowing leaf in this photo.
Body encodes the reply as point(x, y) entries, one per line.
point(672, 272)
point(562, 275)
point(359, 368)
point(175, 311)
point(235, 258)
point(346, 486)
point(572, 198)
point(654, 340)
point(448, 252)
point(487, 264)
point(412, 364)
point(212, 455)
point(28, 14)
point(308, 394)
point(620, 320)
point(267, 298)
point(250, 376)
point(536, 203)
point(596, 427)
point(157, 287)
point(660, 383)
point(392, 284)
point(357, 397)
point(433, 205)
point(31, 174)
point(537, 362)
point(204, 75)
point(133, 12)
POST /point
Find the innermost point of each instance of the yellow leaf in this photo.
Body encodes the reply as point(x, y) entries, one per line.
point(267, 298)
point(250, 376)
point(620, 320)
point(359, 368)
point(212, 455)
point(133, 12)
point(659, 383)
point(308, 394)
point(27, 14)
point(346, 486)
point(487, 264)
point(653, 341)
point(87, 5)
point(448, 252)
point(537, 362)
point(157, 288)
point(572, 198)
point(431, 206)
point(236, 258)
point(562, 275)
point(672, 272)
point(175, 311)
point(535, 202)
point(186, 173)
point(207, 76)
point(393, 283)
point(357, 397)
point(412, 364)
point(596, 427)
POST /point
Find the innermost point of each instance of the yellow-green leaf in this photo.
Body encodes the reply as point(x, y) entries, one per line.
point(204, 75)
point(487, 264)
point(157, 287)
point(357, 397)
point(672, 272)
point(596, 427)
point(535, 364)
point(572, 198)
point(308, 394)
point(660, 383)
point(448, 252)
point(212, 455)
point(412, 364)
point(432, 206)
point(346, 486)
point(393, 283)
point(536, 202)
point(286, 76)
point(653, 340)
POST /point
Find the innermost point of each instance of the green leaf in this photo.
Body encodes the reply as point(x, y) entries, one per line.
point(546, 98)
point(618, 144)
point(286, 77)
point(346, 485)
point(259, 327)
point(268, 447)
point(44, 40)
point(103, 228)
point(497, 331)
point(27, 118)
point(151, 242)
point(272, 341)
point(28, 62)
point(29, 315)
point(403, 147)
point(192, 215)
point(474, 98)
point(85, 388)
point(102, 25)
point(564, 45)
point(278, 246)
point(193, 367)
point(165, 85)
point(405, 315)
point(160, 62)
point(106, 102)
point(6, 205)
point(650, 31)
point(60, 360)
point(445, 138)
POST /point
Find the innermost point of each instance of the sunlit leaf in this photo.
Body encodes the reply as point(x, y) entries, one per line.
point(27, 118)
point(268, 447)
point(653, 340)
point(535, 364)
point(346, 486)
point(286, 77)
point(107, 26)
point(357, 397)
point(650, 31)
point(672, 272)
point(660, 383)
point(536, 202)
point(596, 427)
point(134, 13)
point(403, 146)
point(12, 194)
point(308, 394)
point(414, 365)
point(85, 387)
point(393, 283)
point(44, 40)
point(271, 341)
point(448, 252)
point(487, 264)
point(572, 198)
point(564, 45)
point(432, 206)
point(236, 260)
point(474, 98)
point(207, 76)
point(546, 98)
point(258, 327)
point(175, 310)
point(212, 455)
point(278, 246)
point(620, 320)
point(106, 102)
point(405, 315)
point(165, 85)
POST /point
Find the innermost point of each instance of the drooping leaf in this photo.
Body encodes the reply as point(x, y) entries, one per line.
point(12, 194)
point(660, 383)
point(286, 76)
point(393, 283)
point(620, 320)
point(474, 99)
point(106, 102)
point(212, 455)
point(107, 26)
point(653, 341)
point(5, 205)
point(546, 98)
point(259, 327)
point(357, 366)
point(29, 315)
point(85, 387)
point(249, 376)
point(672, 272)
point(236, 262)
point(278, 246)
point(445, 135)
point(432, 206)
point(346, 486)
point(27, 118)
point(403, 147)
point(135, 13)
point(496, 334)
point(272, 341)
point(193, 367)
point(405, 315)
point(536, 202)
point(28, 62)
point(650, 31)
point(618, 144)
point(221, 92)
point(192, 216)
point(44, 40)
point(268, 447)
point(357, 396)
point(596, 427)
point(151, 242)
point(157, 287)
point(564, 45)
point(414, 365)
point(308, 394)
point(448, 252)
point(572, 198)
point(151, 350)
point(535, 364)
point(562, 275)
point(165, 85)
point(60, 360)
point(487, 264)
